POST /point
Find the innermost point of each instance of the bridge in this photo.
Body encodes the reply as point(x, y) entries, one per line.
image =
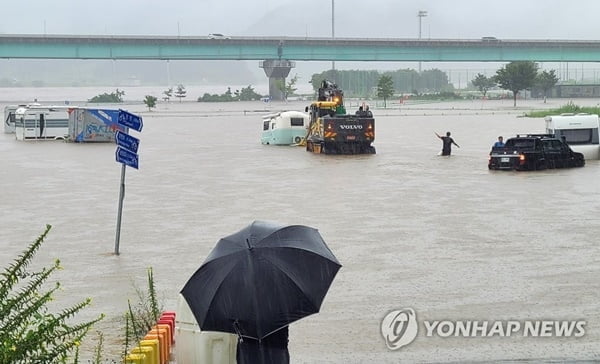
point(278, 54)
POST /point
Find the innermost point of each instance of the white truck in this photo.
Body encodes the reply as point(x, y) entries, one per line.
point(93, 125)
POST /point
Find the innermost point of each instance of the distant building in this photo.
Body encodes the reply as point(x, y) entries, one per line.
point(569, 91)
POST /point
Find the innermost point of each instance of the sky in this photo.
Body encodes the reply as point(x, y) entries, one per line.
point(446, 19)
point(514, 19)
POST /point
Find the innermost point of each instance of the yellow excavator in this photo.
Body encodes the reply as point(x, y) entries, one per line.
point(332, 131)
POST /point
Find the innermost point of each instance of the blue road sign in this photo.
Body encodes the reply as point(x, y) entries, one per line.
point(127, 157)
point(130, 120)
point(127, 141)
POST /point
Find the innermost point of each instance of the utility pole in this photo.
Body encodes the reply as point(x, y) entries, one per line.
point(421, 14)
point(333, 29)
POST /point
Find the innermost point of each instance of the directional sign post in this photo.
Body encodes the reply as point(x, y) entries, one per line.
point(127, 157)
point(127, 141)
point(130, 120)
point(126, 154)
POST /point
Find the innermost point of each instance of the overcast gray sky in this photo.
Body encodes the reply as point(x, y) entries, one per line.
point(548, 19)
point(446, 19)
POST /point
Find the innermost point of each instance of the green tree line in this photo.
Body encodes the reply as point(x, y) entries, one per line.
point(356, 83)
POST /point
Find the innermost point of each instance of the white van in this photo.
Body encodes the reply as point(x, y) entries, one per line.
point(579, 130)
point(42, 122)
point(9, 118)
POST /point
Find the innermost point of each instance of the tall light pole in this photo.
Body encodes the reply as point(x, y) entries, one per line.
point(421, 14)
point(333, 28)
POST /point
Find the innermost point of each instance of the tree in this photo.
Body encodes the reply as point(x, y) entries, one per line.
point(168, 94)
point(517, 76)
point(385, 88)
point(546, 80)
point(180, 92)
point(483, 83)
point(287, 89)
point(248, 94)
point(150, 101)
point(29, 333)
point(432, 81)
point(116, 96)
point(245, 94)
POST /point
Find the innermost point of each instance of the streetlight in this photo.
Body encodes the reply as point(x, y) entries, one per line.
point(333, 29)
point(421, 14)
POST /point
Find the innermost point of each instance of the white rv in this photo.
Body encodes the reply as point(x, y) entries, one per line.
point(42, 122)
point(9, 118)
point(284, 128)
point(579, 130)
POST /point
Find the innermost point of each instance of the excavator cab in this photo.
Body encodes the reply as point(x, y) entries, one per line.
point(332, 131)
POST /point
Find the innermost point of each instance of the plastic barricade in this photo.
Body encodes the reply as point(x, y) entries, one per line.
point(154, 344)
point(148, 354)
point(135, 359)
point(167, 328)
point(162, 345)
point(171, 324)
point(196, 346)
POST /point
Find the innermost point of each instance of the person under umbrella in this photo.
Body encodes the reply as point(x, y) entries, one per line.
point(257, 281)
point(273, 349)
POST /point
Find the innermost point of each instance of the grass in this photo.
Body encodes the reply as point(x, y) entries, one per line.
point(568, 108)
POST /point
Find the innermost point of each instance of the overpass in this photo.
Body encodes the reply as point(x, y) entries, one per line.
point(278, 54)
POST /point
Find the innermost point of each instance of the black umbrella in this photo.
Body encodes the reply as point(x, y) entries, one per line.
point(260, 279)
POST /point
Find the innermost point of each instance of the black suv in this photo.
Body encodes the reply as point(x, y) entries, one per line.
point(534, 152)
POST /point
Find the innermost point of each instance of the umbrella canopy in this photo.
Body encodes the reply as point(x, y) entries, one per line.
point(261, 279)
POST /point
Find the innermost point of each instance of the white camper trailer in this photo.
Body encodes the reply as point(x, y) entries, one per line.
point(284, 128)
point(579, 130)
point(9, 118)
point(42, 122)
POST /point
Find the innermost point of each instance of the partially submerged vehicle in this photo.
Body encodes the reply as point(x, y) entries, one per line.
point(10, 118)
point(580, 131)
point(534, 152)
point(284, 128)
point(332, 130)
point(41, 122)
point(93, 125)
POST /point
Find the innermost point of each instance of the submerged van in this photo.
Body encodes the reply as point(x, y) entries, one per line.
point(41, 122)
point(10, 118)
point(580, 131)
point(284, 128)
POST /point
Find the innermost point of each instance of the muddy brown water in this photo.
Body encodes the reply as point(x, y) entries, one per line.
point(443, 236)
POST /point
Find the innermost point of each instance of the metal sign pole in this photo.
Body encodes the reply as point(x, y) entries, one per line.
point(120, 212)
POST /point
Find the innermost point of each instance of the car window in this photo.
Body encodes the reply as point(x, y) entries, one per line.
point(552, 145)
point(520, 143)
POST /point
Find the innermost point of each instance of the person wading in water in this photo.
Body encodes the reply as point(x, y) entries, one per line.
point(447, 142)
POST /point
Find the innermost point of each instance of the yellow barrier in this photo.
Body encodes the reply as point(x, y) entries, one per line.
point(162, 343)
point(167, 340)
point(135, 359)
point(154, 344)
point(148, 354)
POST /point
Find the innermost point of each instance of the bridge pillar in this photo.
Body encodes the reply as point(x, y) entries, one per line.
point(277, 70)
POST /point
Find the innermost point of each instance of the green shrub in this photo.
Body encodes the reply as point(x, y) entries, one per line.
point(144, 314)
point(113, 97)
point(28, 332)
point(570, 107)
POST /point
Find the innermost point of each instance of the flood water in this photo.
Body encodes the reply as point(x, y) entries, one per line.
point(441, 235)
